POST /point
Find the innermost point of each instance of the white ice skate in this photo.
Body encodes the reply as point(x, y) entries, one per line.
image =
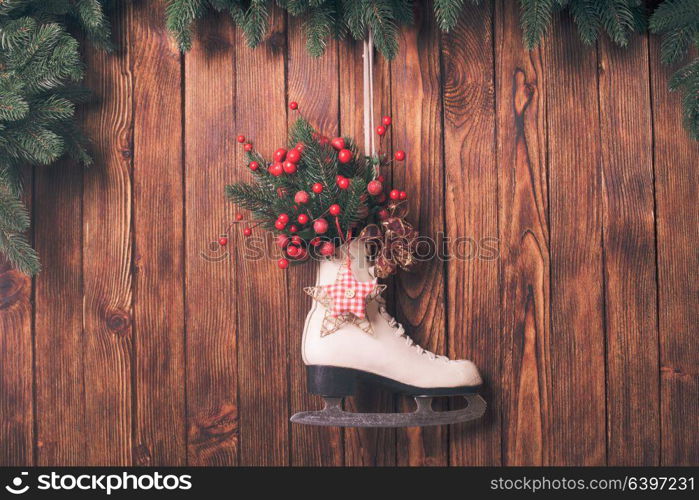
point(340, 351)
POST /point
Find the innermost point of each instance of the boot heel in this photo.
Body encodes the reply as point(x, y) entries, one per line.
point(331, 381)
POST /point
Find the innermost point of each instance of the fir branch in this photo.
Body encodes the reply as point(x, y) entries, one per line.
point(536, 17)
point(180, 15)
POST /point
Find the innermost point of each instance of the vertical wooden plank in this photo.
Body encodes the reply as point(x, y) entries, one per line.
point(676, 158)
point(107, 241)
point(577, 328)
point(263, 312)
point(417, 129)
point(365, 447)
point(633, 423)
point(313, 83)
point(16, 360)
point(60, 403)
point(471, 220)
point(524, 242)
point(212, 404)
point(158, 243)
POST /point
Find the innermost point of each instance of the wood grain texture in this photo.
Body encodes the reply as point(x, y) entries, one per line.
point(633, 424)
point(576, 294)
point(263, 311)
point(471, 206)
point(107, 251)
point(417, 129)
point(677, 220)
point(524, 242)
point(58, 323)
point(16, 359)
point(366, 447)
point(159, 378)
point(211, 332)
point(314, 84)
point(577, 432)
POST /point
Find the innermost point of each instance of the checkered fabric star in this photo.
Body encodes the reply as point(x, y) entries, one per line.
point(349, 295)
point(345, 302)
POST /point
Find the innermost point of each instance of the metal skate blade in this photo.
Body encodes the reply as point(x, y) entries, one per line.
point(334, 416)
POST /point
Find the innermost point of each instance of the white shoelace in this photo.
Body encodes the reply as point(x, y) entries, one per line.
point(399, 331)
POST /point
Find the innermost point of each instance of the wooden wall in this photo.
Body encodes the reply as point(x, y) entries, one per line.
point(569, 161)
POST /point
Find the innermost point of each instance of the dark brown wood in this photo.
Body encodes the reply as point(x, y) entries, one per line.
point(16, 359)
point(59, 371)
point(314, 84)
point(577, 413)
point(211, 332)
point(471, 205)
point(159, 412)
point(365, 447)
point(676, 157)
point(263, 311)
point(567, 166)
point(524, 242)
point(107, 336)
point(633, 424)
point(417, 130)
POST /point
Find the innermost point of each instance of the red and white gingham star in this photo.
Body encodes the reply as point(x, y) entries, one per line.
point(349, 295)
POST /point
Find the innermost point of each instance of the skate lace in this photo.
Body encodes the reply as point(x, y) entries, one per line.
point(399, 331)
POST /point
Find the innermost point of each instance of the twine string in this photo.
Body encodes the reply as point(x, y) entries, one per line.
point(368, 55)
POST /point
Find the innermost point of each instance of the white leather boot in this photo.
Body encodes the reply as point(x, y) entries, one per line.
point(378, 351)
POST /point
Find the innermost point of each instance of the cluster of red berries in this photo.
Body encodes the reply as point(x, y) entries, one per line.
point(286, 162)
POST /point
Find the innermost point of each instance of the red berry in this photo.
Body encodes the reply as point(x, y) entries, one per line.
point(241, 139)
point(327, 249)
point(280, 225)
point(299, 147)
point(338, 143)
point(276, 169)
point(344, 156)
point(399, 155)
point(239, 217)
point(317, 188)
point(289, 167)
point(315, 241)
point(374, 188)
point(301, 197)
point(381, 130)
point(383, 214)
point(334, 209)
point(282, 240)
point(292, 250)
point(296, 240)
point(394, 194)
point(403, 195)
point(280, 154)
point(320, 226)
point(283, 263)
point(247, 231)
point(293, 156)
point(223, 241)
point(247, 147)
point(302, 254)
point(381, 198)
point(294, 228)
point(343, 183)
point(284, 218)
point(381, 178)
point(293, 105)
point(253, 165)
point(302, 218)
point(386, 120)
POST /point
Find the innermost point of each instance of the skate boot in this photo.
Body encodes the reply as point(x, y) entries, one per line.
point(349, 336)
